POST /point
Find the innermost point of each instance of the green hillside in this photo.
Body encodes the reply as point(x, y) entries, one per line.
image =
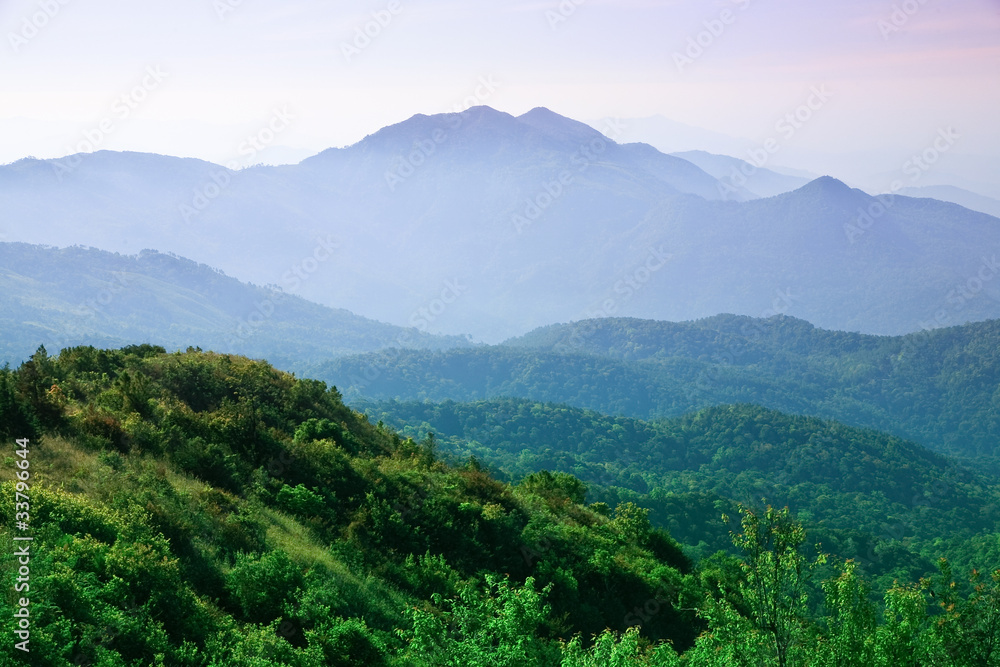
point(940, 388)
point(872, 497)
point(205, 509)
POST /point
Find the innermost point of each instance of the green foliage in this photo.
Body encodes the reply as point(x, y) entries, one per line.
point(300, 500)
point(850, 621)
point(610, 650)
point(263, 585)
point(556, 487)
point(774, 584)
point(198, 509)
point(493, 627)
point(260, 646)
point(936, 387)
point(17, 420)
point(884, 502)
point(347, 642)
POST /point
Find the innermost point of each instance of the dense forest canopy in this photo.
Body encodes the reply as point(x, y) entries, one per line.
point(204, 509)
point(940, 388)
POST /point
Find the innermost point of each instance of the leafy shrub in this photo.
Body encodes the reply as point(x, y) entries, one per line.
point(300, 501)
point(262, 585)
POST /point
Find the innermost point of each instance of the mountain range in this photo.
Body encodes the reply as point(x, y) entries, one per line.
point(484, 223)
point(411, 496)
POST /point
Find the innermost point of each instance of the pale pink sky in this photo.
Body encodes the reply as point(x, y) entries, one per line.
point(226, 74)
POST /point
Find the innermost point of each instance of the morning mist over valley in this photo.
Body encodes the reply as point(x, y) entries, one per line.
point(572, 333)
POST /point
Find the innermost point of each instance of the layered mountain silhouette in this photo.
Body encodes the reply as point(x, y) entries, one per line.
point(956, 195)
point(743, 175)
point(485, 223)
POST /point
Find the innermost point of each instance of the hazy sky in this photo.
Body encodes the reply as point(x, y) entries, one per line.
point(895, 71)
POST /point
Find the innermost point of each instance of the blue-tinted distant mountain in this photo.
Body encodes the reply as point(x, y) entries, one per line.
point(83, 296)
point(966, 198)
point(491, 142)
point(491, 224)
point(739, 173)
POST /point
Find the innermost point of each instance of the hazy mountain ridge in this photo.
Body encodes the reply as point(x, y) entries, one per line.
point(956, 195)
point(535, 218)
point(740, 174)
point(72, 296)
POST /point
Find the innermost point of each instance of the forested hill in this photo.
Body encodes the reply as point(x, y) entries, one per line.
point(73, 296)
point(940, 388)
point(864, 489)
point(202, 510)
point(205, 509)
point(717, 338)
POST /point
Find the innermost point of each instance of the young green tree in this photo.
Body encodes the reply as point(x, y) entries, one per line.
point(966, 628)
point(773, 592)
point(850, 621)
point(776, 576)
point(494, 627)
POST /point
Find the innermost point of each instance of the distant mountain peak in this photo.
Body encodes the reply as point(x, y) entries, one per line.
point(557, 126)
point(422, 127)
point(483, 111)
point(827, 185)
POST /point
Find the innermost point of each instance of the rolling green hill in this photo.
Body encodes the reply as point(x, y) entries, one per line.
point(873, 497)
point(200, 509)
point(196, 509)
point(940, 388)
